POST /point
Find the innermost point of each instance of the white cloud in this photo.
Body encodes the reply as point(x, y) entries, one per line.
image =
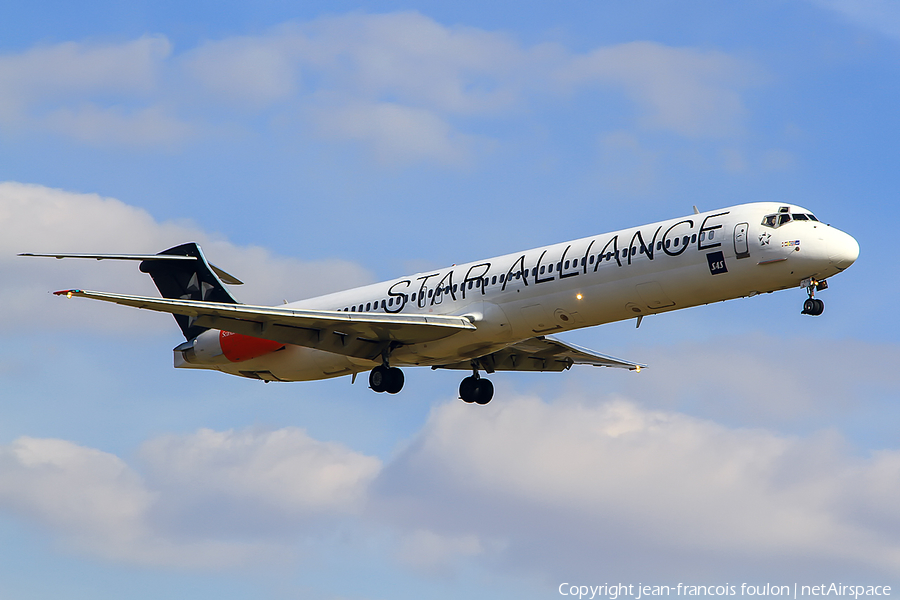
point(258, 480)
point(100, 126)
point(95, 503)
point(687, 91)
point(395, 133)
point(571, 486)
point(402, 84)
point(433, 553)
point(880, 15)
point(563, 489)
point(251, 71)
point(57, 88)
point(39, 219)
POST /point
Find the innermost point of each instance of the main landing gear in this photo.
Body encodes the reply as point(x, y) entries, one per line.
point(475, 389)
point(385, 378)
point(813, 306)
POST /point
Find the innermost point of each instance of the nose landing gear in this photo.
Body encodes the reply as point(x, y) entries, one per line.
point(813, 306)
point(475, 389)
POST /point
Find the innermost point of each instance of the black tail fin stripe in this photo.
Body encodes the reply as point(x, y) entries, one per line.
point(188, 280)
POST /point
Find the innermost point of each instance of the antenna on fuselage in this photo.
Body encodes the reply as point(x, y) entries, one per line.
point(696, 212)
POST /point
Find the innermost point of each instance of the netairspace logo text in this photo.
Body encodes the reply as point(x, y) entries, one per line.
point(620, 590)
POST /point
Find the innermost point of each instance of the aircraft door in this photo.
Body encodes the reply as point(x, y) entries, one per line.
point(741, 248)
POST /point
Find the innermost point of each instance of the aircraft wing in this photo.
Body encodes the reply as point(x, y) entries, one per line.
point(362, 335)
point(544, 353)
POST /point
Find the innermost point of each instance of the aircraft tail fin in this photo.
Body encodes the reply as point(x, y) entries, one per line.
point(188, 280)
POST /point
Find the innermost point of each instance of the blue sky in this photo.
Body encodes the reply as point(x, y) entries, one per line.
point(312, 147)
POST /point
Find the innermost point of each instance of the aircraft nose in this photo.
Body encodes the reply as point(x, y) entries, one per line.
point(843, 249)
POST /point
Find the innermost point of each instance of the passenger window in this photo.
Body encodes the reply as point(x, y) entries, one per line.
point(711, 236)
point(368, 305)
point(676, 241)
point(685, 240)
point(592, 259)
point(494, 280)
point(567, 265)
point(534, 272)
point(543, 268)
point(694, 239)
point(659, 245)
point(633, 250)
point(668, 243)
point(454, 288)
point(702, 235)
point(550, 268)
point(502, 278)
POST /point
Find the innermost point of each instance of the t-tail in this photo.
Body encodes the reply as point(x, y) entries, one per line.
point(188, 280)
point(181, 272)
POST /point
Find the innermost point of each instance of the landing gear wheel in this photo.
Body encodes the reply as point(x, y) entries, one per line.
point(378, 379)
point(394, 380)
point(484, 391)
point(477, 390)
point(813, 306)
point(467, 389)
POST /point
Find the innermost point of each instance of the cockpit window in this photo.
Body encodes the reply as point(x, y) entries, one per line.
point(782, 217)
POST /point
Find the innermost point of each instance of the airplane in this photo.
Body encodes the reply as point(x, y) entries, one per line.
point(490, 315)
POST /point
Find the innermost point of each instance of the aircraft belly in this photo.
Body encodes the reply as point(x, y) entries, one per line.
point(297, 363)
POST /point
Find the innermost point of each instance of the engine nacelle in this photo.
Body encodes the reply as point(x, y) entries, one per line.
point(214, 347)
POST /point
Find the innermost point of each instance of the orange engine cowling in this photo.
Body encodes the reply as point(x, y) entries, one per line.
point(214, 347)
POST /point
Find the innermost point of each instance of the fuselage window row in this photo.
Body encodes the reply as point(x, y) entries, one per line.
point(560, 267)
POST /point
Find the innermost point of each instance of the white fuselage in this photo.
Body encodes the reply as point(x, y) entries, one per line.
point(669, 265)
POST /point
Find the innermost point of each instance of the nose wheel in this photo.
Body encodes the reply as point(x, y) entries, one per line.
point(812, 305)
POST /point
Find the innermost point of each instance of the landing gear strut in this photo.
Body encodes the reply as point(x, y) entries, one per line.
point(813, 306)
point(475, 389)
point(385, 378)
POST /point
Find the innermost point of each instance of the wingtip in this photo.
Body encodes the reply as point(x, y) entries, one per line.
point(67, 293)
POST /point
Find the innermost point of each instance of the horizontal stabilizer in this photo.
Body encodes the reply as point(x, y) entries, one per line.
point(225, 277)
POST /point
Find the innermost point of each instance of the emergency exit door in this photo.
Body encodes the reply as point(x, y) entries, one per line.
point(741, 248)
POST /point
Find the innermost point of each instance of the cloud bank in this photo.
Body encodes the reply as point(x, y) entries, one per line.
point(552, 489)
point(40, 219)
point(402, 86)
